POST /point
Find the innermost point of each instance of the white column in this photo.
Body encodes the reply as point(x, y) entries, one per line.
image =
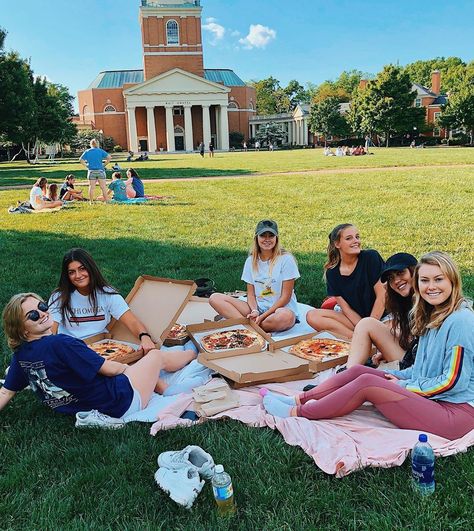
point(224, 128)
point(170, 129)
point(188, 129)
point(290, 139)
point(150, 122)
point(206, 125)
point(132, 129)
point(295, 132)
point(305, 131)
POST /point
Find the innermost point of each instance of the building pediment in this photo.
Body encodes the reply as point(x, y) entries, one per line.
point(177, 81)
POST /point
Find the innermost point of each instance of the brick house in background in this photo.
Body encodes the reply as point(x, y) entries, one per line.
point(432, 100)
point(174, 103)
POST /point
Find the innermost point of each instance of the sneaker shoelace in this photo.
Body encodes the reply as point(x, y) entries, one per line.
point(100, 416)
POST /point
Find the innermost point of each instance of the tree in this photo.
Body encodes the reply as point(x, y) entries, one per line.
point(385, 106)
point(451, 69)
point(270, 133)
point(82, 140)
point(342, 89)
point(459, 111)
point(296, 93)
point(236, 139)
point(326, 119)
point(3, 35)
point(273, 99)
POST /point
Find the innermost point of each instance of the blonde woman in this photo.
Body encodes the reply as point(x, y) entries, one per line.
point(436, 394)
point(353, 278)
point(68, 376)
point(270, 273)
point(38, 196)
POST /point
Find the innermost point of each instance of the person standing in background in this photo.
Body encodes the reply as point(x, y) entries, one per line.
point(95, 159)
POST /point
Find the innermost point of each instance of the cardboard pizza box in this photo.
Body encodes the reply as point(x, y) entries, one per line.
point(196, 331)
point(304, 375)
point(197, 310)
point(156, 302)
point(261, 367)
point(319, 366)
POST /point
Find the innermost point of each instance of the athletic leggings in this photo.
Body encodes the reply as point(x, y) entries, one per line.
point(348, 390)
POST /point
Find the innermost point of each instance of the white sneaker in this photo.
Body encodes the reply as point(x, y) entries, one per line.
point(94, 419)
point(191, 456)
point(183, 485)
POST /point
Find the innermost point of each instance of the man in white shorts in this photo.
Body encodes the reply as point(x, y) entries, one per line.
point(95, 159)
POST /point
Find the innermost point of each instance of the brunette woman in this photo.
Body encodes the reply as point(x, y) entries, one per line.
point(393, 339)
point(353, 278)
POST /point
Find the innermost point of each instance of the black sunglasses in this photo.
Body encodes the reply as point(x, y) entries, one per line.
point(33, 315)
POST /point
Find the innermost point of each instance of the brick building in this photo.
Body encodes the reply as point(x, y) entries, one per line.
point(174, 103)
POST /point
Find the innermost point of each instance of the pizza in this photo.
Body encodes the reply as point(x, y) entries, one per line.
point(232, 339)
point(112, 350)
point(317, 349)
point(177, 332)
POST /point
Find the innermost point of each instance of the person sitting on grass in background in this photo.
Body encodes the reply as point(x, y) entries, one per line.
point(95, 159)
point(68, 376)
point(52, 192)
point(84, 303)
point(134, 184)
point(393, 339)
point(38, 196)
point(67, 191)
point(270, 273)
point(353, 278)
point(436, 394)
point(118, 187)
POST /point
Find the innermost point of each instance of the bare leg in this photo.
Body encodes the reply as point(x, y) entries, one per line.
point(91, 189)
point(228, 306)
point(282, 319)
point(370, 331)
point(174, 360)
point(335, 322)
point(144, 375)
point(103, 187)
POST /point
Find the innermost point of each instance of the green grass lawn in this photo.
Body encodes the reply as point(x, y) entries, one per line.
point(224, 164)
point(55, 477)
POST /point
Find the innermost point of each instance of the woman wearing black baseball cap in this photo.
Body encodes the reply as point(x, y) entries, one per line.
point(393, 340)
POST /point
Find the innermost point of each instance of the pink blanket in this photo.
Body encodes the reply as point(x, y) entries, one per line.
point(338, 446)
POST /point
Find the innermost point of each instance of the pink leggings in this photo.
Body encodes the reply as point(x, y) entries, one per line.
point(349, 389)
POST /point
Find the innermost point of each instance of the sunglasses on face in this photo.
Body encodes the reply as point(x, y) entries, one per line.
point(33, 315)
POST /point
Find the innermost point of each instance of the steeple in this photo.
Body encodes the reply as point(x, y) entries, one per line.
point(171, 36)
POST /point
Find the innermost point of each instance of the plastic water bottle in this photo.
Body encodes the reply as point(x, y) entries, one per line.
point(223, 492)
point(422, 466)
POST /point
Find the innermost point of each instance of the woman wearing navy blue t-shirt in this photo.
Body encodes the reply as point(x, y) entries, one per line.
point(70, 377)
point(353, 278)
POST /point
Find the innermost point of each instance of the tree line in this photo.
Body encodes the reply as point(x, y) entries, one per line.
point(33, 111)
point(384, 106)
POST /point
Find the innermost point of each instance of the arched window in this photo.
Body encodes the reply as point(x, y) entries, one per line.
point(251, 106)
point(233, 105)
point(110, 108)
point(85, 110)
point(172, 32)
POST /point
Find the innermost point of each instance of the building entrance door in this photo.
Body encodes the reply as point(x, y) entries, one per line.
point(143, 145)
point(179, 143)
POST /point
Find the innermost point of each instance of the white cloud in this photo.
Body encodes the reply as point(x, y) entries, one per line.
point(215, 29)
point(235, 33)
point(259, 36)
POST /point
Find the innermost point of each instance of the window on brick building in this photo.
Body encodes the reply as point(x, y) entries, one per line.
point(233, 105)
point(172, 32)
point(110, 108)
point(418, 102)
point(178, 111)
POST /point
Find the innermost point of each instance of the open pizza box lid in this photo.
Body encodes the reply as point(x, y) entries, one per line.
point(197, 331)
point(197, 310)
point(262, 367)
point(329, 363)
point(156, 302)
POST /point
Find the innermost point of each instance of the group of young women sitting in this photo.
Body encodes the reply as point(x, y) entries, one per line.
point(44, 196)
point(407, 310)
point(411, 311)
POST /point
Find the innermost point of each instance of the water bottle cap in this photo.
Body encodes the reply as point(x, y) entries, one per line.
point(423, 437)
point(219, 469)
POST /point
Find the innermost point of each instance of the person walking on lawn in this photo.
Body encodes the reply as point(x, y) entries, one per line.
point(95, 159)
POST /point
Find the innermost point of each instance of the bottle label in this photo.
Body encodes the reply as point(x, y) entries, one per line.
point(223, 493)
point(423, 473)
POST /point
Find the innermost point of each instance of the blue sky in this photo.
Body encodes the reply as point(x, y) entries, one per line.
point(71, 41)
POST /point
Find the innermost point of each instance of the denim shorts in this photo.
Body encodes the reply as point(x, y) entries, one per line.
point(95, 175)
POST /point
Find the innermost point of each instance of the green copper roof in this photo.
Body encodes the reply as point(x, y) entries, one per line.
point(118, 78)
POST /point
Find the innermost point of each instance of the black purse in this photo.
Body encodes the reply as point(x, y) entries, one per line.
point(205, 287)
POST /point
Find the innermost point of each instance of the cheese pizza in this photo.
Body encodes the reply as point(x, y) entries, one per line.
point(318, 349)
point(112, 350)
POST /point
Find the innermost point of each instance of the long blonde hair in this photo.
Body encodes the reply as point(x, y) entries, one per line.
point(277, 251)
point(334, 256)
point(424, 316)
point(14, 320)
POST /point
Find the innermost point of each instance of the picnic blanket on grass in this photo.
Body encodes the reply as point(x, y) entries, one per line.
point(338, 446)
